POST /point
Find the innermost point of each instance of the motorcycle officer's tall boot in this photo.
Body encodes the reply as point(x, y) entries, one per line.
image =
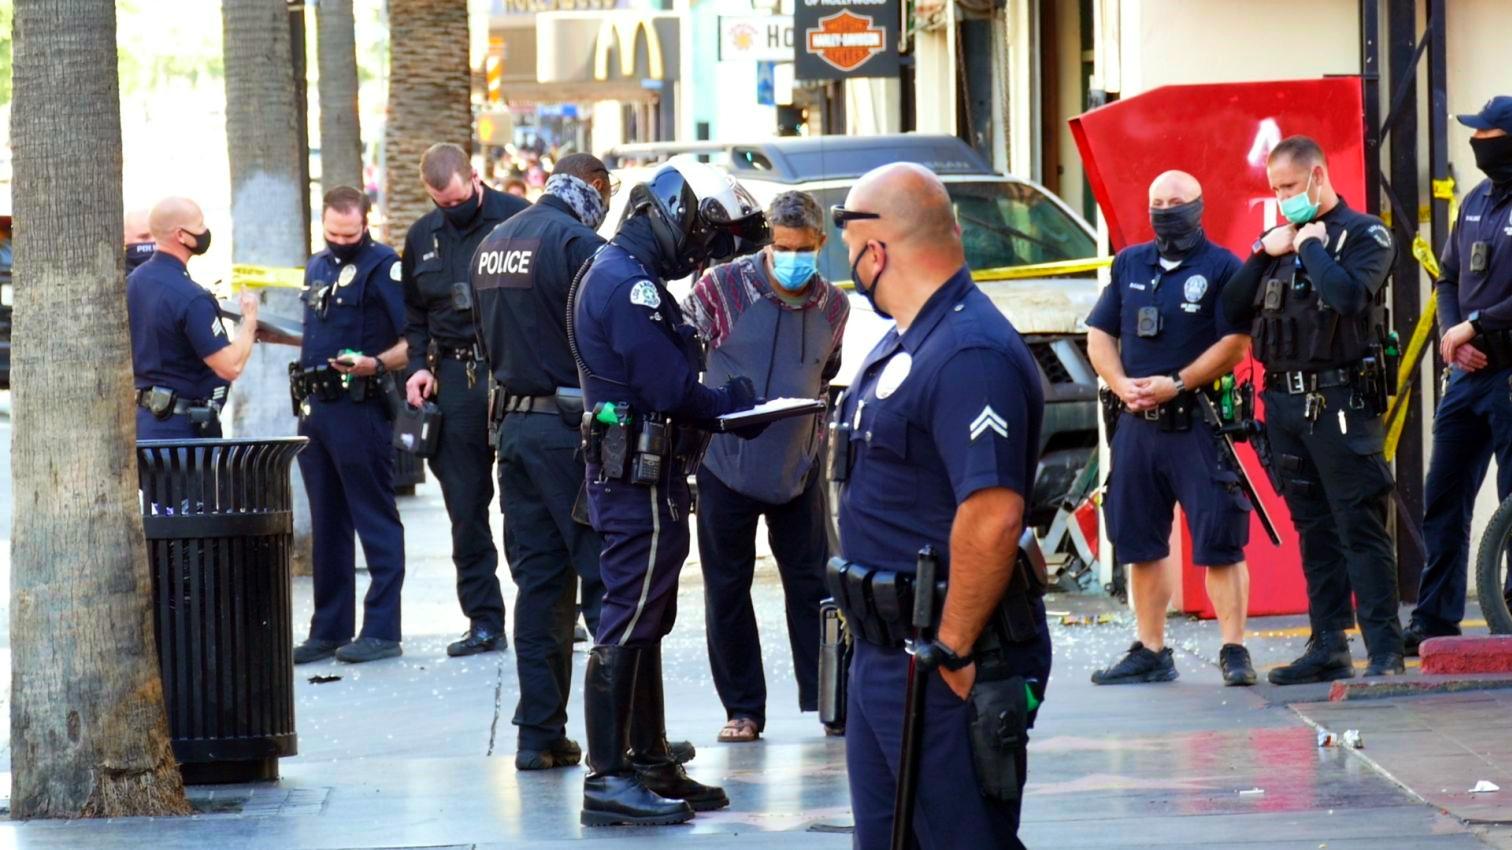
point(613, 793)
point(654, 762)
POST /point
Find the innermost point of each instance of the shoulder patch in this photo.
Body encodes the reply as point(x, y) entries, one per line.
point(217, 327)
point(988, 420)
point(396, 274)
point(644, 293)
point(1380, 234)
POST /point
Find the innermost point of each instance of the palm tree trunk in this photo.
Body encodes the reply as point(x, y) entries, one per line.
point(430, 100)
point(88, 727)
point(340, 126)
point(268, 202)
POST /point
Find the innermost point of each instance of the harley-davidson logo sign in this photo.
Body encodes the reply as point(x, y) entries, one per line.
point(846, 40)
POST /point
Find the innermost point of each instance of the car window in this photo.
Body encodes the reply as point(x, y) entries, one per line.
point(1003, 224)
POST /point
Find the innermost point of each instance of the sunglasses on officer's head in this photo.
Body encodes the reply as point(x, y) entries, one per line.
point(842, 216)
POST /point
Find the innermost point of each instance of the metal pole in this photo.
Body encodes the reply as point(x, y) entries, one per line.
point(1370, 80)
point(1406, 299)
point(1438, 139)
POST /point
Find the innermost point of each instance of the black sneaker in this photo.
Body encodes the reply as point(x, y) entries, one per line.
point(476, 641)
point(1138, 666)
point(1325, 660)
point(1386, 664)
point(363, 650)
point(1414, 635)
point(315, 650)
point(564, 752)
point(1234, 661)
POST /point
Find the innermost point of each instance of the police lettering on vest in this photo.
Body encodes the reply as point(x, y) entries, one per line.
point(513, 262)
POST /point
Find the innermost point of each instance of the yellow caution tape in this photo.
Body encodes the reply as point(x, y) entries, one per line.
point(266, 277)
point(1396, 416)
point(1443, 190)
point(1058, 268)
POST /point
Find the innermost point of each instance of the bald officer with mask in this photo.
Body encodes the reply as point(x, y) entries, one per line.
point(183, 362)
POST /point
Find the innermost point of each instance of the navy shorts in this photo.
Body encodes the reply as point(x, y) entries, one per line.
point(1152, 471)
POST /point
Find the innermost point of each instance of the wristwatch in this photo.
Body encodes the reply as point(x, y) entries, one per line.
point(1475, 322)
point(943, 656)
point(1180, 384)
point(378, 368)
point(1258, 247)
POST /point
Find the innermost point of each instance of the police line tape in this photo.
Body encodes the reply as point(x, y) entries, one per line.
point(1057, 268)
point(244, 276)
point(1396, 414)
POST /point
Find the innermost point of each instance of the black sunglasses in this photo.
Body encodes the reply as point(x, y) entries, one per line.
point(841, 216)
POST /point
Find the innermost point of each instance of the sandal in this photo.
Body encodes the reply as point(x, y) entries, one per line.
point(739, 730)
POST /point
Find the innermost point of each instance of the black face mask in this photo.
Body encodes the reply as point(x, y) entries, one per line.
point(201, 242)
point(869, 291)
point(348, 252)
point(463, 214)
point(138, 253)
point(1494, 156)
point(1178, 229)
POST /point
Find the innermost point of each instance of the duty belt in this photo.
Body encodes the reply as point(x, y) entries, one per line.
point(466, 354)
point(180, 406)
point(327, 384)
point(1297, 383)
point(878, 604)
point(1174, 415)
point(531, 404)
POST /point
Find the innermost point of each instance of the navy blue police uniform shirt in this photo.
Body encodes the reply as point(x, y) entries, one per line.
point(364, 304)
point(950, 407)
point(1192, 318)
point(175, 325)
point(631, 334)
point(1485, 216)
point(521, 274)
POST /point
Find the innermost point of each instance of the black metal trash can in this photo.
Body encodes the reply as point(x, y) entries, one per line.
point(220, 529)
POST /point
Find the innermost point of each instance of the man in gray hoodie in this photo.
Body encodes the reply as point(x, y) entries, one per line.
point(771, 317)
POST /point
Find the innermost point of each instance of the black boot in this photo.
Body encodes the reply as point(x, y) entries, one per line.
point(613, 793)
point(1326, 659)
point(654, 761)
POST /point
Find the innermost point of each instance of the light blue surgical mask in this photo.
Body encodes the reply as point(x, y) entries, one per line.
point(794, 269)
point(1300, 208)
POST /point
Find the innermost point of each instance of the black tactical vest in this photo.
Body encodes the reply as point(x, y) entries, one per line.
point(1295, 331)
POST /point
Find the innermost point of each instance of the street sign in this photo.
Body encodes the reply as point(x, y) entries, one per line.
point(766, 83)
point(759, 38)
point(842, 39)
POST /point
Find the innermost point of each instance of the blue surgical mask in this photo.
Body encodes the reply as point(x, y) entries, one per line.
point(1300, 208)
point(794, 269)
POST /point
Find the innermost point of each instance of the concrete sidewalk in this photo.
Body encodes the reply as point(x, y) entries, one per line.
point(418, 752)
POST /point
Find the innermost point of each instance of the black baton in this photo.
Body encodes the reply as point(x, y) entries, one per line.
point(913, 703)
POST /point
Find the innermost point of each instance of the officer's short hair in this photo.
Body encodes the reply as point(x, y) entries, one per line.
point(797, 210)
point(442, 162)
point(584, 166)
point(345, 199)
point(1302, 150)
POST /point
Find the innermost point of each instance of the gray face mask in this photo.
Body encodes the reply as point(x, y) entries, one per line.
point(586, 202)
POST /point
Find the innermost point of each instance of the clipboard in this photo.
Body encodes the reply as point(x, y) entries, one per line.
point(769, 411)
point(280, 329)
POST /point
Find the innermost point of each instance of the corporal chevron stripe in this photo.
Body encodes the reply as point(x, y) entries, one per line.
point(987, 420)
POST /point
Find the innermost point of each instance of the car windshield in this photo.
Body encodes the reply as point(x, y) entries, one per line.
point(1003, 224)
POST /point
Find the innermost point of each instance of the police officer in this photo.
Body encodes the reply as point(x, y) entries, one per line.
point(1157, 337)
point(345, 399)
point(521, 275)
point(181, 358)
point(944, 417)
point(1315, 291)
point(439, 326)
point(639, 368)
point(1475, 311)
point(137, 233)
